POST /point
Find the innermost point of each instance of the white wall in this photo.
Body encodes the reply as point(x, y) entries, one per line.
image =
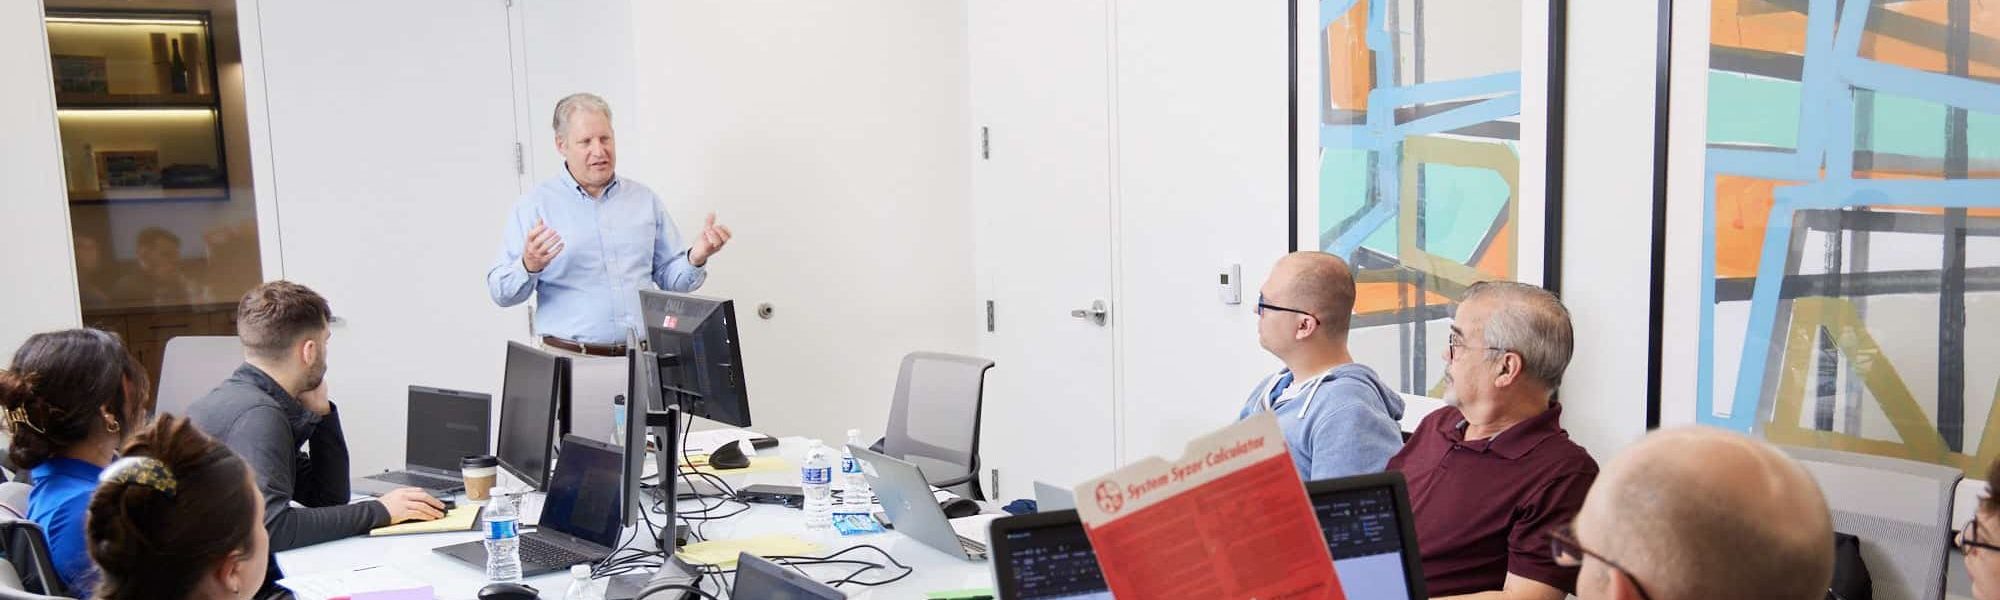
point(830, 136)
point(36, 259)
point(569, 46)
point(1202, 137)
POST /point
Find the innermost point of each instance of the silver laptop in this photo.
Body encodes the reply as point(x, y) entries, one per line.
point(443, 427)
point(906, 497)
point(1049, 497)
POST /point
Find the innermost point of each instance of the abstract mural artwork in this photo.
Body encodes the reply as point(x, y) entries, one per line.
point(1421, 154)
point(1850, 254)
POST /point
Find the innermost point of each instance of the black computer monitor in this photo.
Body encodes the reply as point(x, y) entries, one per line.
point(700, 358)
point(642, 396)
point(536, 387)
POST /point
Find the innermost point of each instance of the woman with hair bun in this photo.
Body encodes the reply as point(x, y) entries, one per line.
point(179, 517)
point(69, 400)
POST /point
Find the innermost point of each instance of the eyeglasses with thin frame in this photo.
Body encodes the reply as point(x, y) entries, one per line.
point(1264, 306)
point(1968, 538)
point(1455, 345)
point(1569, 553)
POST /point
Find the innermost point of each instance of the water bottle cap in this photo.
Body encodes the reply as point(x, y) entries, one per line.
point(853, 433)
point(579, 571)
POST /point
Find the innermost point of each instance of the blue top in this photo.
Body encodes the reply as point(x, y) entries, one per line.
point(60, 503)
point(613, 247)
point(1342, 425)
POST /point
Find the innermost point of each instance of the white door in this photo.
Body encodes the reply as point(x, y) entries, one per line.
point(390, 147)
point(1042, 194)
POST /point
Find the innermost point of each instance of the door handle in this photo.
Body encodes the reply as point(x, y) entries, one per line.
point(1098, 313)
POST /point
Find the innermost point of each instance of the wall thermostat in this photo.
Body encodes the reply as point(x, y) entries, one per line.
point(1232, 285)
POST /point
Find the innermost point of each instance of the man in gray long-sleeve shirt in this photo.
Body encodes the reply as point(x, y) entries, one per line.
point(276, 402)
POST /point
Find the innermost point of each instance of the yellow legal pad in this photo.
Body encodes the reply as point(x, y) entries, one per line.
point(758, 464)
point(723, 553)
point(463, 518)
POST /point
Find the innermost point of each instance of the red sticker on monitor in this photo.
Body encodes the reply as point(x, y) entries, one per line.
point(670, 322)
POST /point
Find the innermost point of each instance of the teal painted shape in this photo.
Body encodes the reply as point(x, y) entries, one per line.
point(1343, 192)
point(1982, 135)
point(1906, 126)
point(1745, 109)
point(1460, 205)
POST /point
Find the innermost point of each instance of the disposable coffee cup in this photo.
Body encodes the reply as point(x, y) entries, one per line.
point(481, 471)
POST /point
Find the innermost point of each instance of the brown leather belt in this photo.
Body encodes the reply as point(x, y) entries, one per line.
point(583, 348)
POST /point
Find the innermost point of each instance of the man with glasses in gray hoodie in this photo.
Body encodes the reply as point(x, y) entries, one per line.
point(1338, 417)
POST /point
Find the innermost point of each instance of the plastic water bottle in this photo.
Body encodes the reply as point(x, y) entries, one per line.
point(503, 538)
point(581, 586)
point(816, 478)
point(858, 497)
point(618, 421)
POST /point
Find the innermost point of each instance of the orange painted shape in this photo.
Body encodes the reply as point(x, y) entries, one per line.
point(1347, 59)
point(1382, 297)
point(1495, 262)
point(1757, 25)
point(1742, 210)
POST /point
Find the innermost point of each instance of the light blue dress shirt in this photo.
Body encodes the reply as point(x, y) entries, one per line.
point(613, 247)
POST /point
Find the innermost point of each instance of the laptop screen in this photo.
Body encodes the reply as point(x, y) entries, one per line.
point(585, 494)
point(1365, 536)
point(445, 426)
point(1053, 561)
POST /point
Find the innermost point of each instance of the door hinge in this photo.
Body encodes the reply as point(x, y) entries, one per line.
point(994, 492)
point(985, 143)
point(989, 316)
point(520, 158)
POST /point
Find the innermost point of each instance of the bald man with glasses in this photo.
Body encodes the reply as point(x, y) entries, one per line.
point(1696, 513)
point(1338, 417)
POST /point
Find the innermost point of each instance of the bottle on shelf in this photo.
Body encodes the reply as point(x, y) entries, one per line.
point(816, 480)
point(857, 498)
point(177, 73)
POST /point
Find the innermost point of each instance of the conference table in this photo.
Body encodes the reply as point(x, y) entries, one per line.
point(412, 555)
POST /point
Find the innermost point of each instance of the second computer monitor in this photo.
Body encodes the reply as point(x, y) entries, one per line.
point(536, 385)
point(701, 360)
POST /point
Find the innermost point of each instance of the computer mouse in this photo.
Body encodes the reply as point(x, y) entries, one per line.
point(729, 456)
point(960, 507)
point(508, 591)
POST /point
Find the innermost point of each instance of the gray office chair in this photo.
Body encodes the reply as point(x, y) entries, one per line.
point(1900, 509)
point(14, 499)
point(192, 366)
point(934, 419)
point(26, 552)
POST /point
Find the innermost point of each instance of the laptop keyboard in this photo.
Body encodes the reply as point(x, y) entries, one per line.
point(536, 551)
point(429, 482)
point(971, 547)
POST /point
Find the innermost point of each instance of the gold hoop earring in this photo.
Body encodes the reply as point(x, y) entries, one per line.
point(112, 426)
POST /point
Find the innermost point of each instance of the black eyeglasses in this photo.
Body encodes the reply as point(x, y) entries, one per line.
point(1570, 554)
point(1968, 538)
point(1264, 306)
point(1455, 345)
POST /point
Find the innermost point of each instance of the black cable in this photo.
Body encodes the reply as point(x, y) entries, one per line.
point(669, 587)
point(831, 559)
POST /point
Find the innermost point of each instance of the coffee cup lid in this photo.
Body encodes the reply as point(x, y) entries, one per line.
point(478, 461)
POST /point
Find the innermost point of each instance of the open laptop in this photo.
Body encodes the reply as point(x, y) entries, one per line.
point(906, 497)
point(1366, 521)
point(582, 516)
point(765, 580)
point(443, 427)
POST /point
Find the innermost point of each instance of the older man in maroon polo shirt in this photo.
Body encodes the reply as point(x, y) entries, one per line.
point(1493, 474)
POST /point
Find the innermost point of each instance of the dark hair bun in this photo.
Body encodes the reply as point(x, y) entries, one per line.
point(152, 531)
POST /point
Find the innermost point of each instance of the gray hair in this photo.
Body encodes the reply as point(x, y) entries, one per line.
point(575, 102)
point(1531, 322)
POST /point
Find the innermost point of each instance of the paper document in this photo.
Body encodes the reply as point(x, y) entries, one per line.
point(708, 441)
point(378, 583)
point(758, 464)
point(723, 553)
point(1229, 518)
point(463, 518)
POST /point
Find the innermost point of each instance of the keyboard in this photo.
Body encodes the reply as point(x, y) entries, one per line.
point(536, 551)
point(429, 482)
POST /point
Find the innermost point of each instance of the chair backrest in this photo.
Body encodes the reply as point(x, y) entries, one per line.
point(934, 419)
point(14, 499)
point(27, 552)
point(192, 366)
point(1900, 509)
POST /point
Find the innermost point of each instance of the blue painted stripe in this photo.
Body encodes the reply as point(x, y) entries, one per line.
point(1960, 193)
point(1470, 114)
point(1763, 307)
point(1817, 79)
point(1351, 137)
point(1332, 10)
point(1766, 165)
point(1348, 241)
point(1449, 89)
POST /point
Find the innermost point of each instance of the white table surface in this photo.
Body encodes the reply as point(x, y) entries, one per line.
point(454, 580)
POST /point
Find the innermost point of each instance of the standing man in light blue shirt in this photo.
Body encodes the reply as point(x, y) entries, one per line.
point(1338, 417)
point(588, 294)
point(624, 241)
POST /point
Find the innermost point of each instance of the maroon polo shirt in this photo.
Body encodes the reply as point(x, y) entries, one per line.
point(1485, 508)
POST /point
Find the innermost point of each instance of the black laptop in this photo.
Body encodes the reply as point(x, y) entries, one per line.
point(1366, 521)
point(765, 580)
point(582, 517)
point(444, 426)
